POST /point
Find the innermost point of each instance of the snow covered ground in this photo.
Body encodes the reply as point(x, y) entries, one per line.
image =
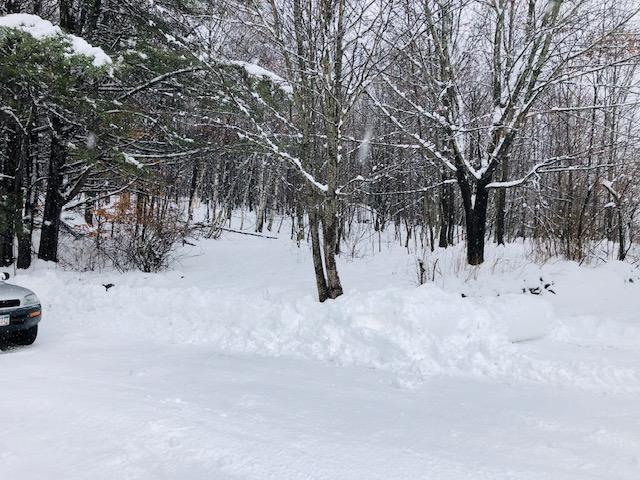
point(227, 368)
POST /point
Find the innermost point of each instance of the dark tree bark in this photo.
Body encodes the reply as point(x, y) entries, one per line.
point(622, 249)
point(11, 186)
point(475, 202)
point(8, 200)
point(330, 237)
point(444, 227)
point(581, 216)
point(476, 228)
point(93, 16)
point(316, 251)
point(23, 227)
point(67, 19)
point(339, 237)
point(452, 213)
point(54, 201)
point(12, 6)
point(446, 214)
point(192, 189)
point(88, 214)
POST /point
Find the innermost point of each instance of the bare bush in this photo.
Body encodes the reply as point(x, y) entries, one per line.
point(126, 238)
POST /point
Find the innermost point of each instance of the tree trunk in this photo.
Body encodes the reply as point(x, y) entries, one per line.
point(25, 234)
point(273, 209)
point(622, 251)
point(92, 17)
point(476, 221)
point(263, 182)
point(428, 221)
point(54, 202)
point(88, 214)
point(329, 235)
point(444, 217)
point(67, 21)
point(475, 239)
point(192, 191)
point(500, 212)
point(299, 224)
point(24, 246)
point(7, 202)
point(11, 203)
point(22, 222)
point(339, 238)
point(11, 6)
point(316, 251)
point(580, 228)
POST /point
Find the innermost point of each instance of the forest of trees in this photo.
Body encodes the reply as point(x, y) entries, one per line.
point(444, 121)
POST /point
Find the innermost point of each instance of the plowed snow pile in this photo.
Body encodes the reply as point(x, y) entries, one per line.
point(411, 331)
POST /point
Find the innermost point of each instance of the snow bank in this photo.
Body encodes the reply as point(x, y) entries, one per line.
point(410, 332)
point(41, 29)
point(395, 329)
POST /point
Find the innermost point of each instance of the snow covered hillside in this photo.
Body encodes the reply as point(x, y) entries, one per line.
point(227, 367)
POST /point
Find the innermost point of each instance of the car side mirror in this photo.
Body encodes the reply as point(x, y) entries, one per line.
point(5, 276)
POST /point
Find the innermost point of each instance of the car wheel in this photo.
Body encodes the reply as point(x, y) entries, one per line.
point(26, 337)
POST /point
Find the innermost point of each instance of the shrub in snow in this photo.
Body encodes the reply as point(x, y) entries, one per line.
point(128, 234)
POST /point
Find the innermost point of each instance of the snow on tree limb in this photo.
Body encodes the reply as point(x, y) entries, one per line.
point(41, 29)
point(256, 71)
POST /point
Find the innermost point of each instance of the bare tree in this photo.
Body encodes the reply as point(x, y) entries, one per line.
point(511, 59)
point(327, 55)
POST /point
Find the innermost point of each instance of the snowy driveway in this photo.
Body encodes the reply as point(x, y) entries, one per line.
point(86, 406)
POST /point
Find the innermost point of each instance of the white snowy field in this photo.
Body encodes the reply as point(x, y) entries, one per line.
point(227, 368)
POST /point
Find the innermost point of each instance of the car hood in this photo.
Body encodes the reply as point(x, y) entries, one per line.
point(11, 292)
